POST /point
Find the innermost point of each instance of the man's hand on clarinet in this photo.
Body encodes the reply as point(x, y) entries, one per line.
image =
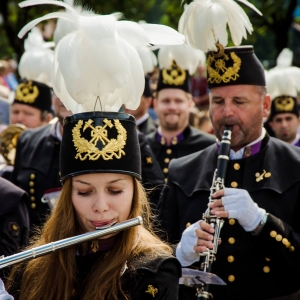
point(237, 204)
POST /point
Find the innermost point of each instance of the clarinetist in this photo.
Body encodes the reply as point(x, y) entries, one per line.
point(96, 72)
point(259, 252)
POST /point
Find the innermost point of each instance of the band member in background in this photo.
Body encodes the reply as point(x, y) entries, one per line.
point(32, 104)
point(284, 119)
point(172, 102)
point(36, 168)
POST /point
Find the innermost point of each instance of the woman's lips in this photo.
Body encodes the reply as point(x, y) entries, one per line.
point(102, 223)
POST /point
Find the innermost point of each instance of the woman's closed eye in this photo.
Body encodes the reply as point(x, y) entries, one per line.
point(84, 193)
point(115, 192)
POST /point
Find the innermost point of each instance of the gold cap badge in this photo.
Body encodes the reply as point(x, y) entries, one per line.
point(26, 92)
point(284, 104)
point(89, 150)
point(174, 76)
point(218, 69)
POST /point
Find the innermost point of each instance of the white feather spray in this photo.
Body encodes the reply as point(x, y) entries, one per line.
point(283, 79)
point(98, 59)
point(204, 23)
point(185, 56)
point(37, 60)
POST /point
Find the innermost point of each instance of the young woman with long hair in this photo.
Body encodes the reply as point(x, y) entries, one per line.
point(132, 264)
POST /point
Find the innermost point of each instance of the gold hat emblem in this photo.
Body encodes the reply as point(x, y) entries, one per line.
point(26, 92)
point(216, 66)
point(152, 290)
point(112, 147)
point(174, 76)
point(284, 104)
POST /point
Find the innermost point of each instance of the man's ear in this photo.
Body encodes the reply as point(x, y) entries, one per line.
point(266, 105)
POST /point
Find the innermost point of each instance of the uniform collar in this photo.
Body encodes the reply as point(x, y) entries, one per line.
point(175, 139)
point(296, 141)
point(142, 119)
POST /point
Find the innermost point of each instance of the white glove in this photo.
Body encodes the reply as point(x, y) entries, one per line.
point(185, 252)
point(3, 293)
point(240, 206)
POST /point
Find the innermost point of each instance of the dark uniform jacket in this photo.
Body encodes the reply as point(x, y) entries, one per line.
point(152, 176)
point(36, 168)
point(254, 267)
point(149, 125)
point(144, 279)
point(14, 219)
point(194, 140)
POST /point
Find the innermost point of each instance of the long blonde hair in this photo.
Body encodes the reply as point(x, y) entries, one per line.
point(54, 275)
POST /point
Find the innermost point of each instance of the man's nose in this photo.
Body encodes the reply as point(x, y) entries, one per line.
point(228, 110)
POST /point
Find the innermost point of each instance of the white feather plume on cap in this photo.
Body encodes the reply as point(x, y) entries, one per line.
point(99, 60)
point(283, 79)
point(185, 56)
point(37, 60)
point(204, 23)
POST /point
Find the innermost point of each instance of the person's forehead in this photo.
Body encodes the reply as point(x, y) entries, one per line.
point(282, 116)
point(25, 107)
point(233, 90)
point(172, 94)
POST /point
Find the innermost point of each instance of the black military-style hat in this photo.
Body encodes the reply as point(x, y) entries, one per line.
point(283, 104)
point(100, 142)
point(34, 94)
point(234, 65)
point(173, 78)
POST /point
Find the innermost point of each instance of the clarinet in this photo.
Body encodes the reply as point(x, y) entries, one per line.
point(217, 223)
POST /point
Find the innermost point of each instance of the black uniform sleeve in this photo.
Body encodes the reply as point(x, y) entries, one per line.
point(168, 213)
point(160, 284)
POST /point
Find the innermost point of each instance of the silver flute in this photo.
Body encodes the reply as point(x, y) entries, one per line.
point(68, 242)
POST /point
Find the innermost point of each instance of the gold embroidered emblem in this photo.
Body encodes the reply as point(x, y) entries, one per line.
point(216, 66)
point(284, 104)
point(26, 92)
point(152, 290)
point(112, 147)
point(94, 246)
point(263, 175)
point(174, 76)
point(149, 160)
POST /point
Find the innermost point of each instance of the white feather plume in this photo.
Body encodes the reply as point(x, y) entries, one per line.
point(283, 81)
point(98, 58)
point(204, 23)
point(185, 56)
point(285, 58)
point(36, 62)
point(148, 59)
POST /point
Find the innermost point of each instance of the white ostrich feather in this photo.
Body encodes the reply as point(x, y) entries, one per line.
point(36, 62)
point(283, 81)
point(98, 59)
point(185, 56)
point(204, 23)
point(284, 58)
point(148, 59)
